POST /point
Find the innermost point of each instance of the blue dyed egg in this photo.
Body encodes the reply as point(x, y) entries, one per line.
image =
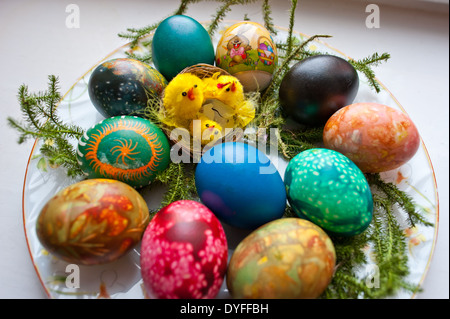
point(240, 185)
point(328, 189)
point(123, 86)
point(179, 42)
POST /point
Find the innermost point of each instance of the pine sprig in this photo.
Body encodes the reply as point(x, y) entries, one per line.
point(220, 15)
point(268, 22)
point(365, 66)
point(390, 251)
point(387, 241)
point(42, 122)
point(136, 34)
point(395, 196)
point(290, 38)
point(295, 141)
point(180, 181)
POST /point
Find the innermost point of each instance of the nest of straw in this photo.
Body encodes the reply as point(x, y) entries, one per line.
point(181, 136)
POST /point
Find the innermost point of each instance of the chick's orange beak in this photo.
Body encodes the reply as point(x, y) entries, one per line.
point(191, 95)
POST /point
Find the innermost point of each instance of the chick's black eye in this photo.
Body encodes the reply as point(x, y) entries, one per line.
point(228, 89)
point(195, 85)
point(207, 125)
point(184, 93)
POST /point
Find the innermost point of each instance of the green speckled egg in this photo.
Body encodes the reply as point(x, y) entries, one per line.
point(328, 189)
point(125, 148)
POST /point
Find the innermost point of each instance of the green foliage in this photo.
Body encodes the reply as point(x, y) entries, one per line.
point(220, 14)
point(268, 22)
point(42, 122)
point(394, 195)
point(295, 141)
point(180, 182)
point(365, 66)
point(290, 38)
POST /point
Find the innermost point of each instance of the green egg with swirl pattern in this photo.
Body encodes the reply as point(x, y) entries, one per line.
point(125, 148)
point(328, 189)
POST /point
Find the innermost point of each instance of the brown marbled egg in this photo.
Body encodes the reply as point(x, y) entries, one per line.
point(93, 221)
point(375, 137)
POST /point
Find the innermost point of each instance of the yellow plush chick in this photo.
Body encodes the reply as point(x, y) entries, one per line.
point(245, 113)
point(210, 130)
point(229, 91)
point(210, 86)
point(183, 98)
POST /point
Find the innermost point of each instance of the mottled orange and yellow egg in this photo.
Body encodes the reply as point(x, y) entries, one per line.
point(376, 137)
point(93, 221)
point(287, 258)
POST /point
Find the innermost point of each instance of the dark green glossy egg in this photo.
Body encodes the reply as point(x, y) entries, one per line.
point(123, 86)
point(179, 42)
point(316, 87)
point(125, 148)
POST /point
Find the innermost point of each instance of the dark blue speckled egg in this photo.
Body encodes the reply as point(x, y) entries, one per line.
point(123, 86)
point(240, 185)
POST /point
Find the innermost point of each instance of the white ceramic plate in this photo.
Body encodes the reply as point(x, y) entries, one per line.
point(122, 279)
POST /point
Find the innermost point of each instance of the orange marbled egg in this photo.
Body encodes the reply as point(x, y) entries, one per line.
point(376, 137)
point(93, 221)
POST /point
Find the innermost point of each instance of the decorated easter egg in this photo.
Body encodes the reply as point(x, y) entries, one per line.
point(179, 42)
point(184, 253)
point(289, 258)
point(247, 51)
point(375, 137)
point(126, 148)
point(240, 185)
point(316, 87)
point(123, 86)
point(328, 189)
point(92, 222)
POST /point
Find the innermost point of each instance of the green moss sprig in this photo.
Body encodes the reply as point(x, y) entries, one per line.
point(42, 122)
point(179, 181)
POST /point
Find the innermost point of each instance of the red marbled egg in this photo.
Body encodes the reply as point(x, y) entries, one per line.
point(375, 137)
point(184, 253)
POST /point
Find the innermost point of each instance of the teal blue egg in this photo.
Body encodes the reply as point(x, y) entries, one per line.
point(328, 189)
point(240, 185)
point(180, 42)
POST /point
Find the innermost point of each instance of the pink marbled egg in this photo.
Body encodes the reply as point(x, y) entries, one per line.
point(375, 137)
point(184, 253)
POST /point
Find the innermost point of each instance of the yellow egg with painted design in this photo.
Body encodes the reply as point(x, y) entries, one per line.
point(247, 51)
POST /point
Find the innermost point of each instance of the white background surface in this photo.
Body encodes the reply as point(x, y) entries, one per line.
point(35, 42)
